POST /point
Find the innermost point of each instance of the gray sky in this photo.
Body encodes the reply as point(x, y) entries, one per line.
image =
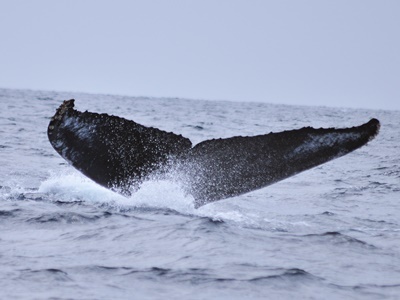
point(333, 53)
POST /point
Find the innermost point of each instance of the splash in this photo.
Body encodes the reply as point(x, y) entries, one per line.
point(157, 194)
point(73, 186)
point(163, 194)
point(160, 194)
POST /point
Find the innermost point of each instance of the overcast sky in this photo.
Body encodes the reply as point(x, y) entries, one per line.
point(333, 53)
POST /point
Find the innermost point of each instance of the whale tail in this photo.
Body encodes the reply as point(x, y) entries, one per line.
point(120, 154)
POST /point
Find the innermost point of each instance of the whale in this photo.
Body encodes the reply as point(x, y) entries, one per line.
point(121, 154)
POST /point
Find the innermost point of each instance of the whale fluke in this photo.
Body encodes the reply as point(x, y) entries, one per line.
point(120, 154)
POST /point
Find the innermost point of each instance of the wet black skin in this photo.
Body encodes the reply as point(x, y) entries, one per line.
point(120, 154)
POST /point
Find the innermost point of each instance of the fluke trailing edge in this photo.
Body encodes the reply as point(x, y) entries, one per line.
point(120, 154)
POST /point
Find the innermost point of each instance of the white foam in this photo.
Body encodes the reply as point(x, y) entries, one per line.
point(163, 194)
point(168, 195)
point(159, 194)
point(72, 186)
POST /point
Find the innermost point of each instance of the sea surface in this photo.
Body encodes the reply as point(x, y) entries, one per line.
point(332, 232)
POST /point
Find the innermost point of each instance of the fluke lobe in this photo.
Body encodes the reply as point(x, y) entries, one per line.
point(120, 154)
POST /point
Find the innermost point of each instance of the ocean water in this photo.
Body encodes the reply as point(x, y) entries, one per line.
point(332, 232)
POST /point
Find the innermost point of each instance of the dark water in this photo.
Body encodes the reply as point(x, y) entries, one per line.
point(329, 233)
